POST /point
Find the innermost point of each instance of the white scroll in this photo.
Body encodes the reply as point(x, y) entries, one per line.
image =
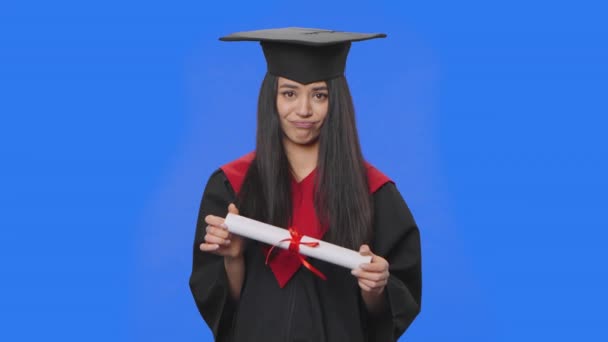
point(272, 235)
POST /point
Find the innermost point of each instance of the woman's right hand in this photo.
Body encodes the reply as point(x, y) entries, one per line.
point(219, 241)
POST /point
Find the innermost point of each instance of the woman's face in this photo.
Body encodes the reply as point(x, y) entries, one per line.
point(302, 110)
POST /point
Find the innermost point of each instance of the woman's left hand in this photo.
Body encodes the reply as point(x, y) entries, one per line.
point(372, 276)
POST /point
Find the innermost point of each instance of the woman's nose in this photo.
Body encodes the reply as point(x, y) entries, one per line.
point(304, 108)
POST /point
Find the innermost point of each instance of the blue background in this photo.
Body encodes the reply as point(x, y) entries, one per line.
point(490, 117)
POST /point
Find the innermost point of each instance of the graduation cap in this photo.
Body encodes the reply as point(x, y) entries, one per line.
point(304, 55)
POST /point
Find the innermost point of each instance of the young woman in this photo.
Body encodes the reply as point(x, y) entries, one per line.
point(307, 173)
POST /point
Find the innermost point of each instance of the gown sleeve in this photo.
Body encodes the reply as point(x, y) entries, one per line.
point(397, 239)
point(208, 281)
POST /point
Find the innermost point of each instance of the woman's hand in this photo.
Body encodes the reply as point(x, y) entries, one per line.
point(219, 241)
point(372, 278)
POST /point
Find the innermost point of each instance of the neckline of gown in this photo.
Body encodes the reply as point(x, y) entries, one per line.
point(306, 178)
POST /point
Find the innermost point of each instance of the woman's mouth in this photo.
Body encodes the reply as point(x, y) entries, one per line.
point(303, 124)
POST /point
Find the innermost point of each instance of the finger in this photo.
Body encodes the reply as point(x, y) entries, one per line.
point(364, 287)
point(378, 259)
point(371, 284)
point(364, 250)
point(214, 220)
point(374, 267)
point(219, 232)
point(216, 240)
point(208, 247)
point(373, 276)
point(233, 209)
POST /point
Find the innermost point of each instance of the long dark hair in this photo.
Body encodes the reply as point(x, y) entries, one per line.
point(342, 198)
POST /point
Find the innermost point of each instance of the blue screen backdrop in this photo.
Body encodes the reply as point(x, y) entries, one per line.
point(489, 116)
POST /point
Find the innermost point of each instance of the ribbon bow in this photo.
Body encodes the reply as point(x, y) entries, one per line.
point(294, 247)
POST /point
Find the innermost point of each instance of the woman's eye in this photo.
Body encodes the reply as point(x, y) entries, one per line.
point(289, 94)
point(320, 96)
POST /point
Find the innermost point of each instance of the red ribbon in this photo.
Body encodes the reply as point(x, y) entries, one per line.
point(294, 247)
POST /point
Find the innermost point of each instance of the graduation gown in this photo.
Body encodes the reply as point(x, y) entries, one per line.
point(307, 308)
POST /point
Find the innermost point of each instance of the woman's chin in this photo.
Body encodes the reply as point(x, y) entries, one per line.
point(304, 141)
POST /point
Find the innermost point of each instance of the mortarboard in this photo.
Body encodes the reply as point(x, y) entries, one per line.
point(304, 55)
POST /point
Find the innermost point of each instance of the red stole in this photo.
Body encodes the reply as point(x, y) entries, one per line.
point(283, 263)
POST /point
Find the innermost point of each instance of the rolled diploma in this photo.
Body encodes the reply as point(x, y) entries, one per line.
point(272, 235)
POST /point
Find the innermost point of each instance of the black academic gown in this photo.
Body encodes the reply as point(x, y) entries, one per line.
point(309, 308)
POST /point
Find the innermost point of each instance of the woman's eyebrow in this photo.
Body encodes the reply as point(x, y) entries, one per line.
point(319, 88)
